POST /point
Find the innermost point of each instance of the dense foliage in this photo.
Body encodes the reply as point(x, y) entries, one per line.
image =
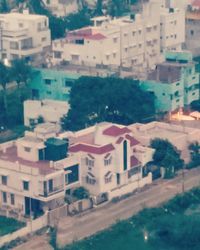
point(95, 99)
point(194, 149)
point(195, 105)
point(166, 155)
point(59, 25)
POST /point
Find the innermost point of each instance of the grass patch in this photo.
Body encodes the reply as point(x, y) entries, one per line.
point(169, 227)
point(9, 225)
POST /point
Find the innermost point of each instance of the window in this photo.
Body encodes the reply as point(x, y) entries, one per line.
point(89, 162)
point(27, 149)
point(107, 57)
point(4, 180)
point(12, 199)
point(26, 185)
point(47, 81)
point(114, 55)
point(115, 39)
point(14, 45)
point(73, 175)
point(125, 155)
point(107, 161)
point(90, 180)
point(4, 197)
point(50, 182)
point(57, 54)
point(108, 177)
point(21, 25)
point(178, 83)
point(191, 32)
point(75, 57)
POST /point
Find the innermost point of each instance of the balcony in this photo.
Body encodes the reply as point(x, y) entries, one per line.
point(48, 193)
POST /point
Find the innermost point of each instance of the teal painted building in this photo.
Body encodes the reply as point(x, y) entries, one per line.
point(175, 83)
point(52, 84)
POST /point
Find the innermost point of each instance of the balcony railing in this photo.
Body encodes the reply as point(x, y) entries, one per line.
point(55, 190)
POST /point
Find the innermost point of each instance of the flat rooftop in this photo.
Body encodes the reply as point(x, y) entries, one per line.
point(84, 70)
point(11, 156)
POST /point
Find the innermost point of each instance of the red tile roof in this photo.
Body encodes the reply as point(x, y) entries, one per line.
point(116, 131)
point(11, 156)
point(196, 3)
point(132, 140)
point(97, 36)
point(134, 161)
point(91, 148)
point(119, 140)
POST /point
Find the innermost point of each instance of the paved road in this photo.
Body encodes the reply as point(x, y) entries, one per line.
point(81, 226)
point(78, 227)
point(35, 243)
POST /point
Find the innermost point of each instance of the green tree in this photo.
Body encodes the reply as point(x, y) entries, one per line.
point(78, 20)
point(194, 149)
point(166, 155)
point(21, 73)
point(95, 99)
point(4, 80)
point(81, 193)
point(4, 8)
point(99, 7)
point(195, 105)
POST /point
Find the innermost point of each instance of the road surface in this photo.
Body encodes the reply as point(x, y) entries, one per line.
point(81, 226)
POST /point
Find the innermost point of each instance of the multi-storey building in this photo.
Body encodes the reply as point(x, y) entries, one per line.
point(119, 42)
point(55, 83)
point(172, 29)
point(24, 36)
point(193, 28)
point(36, 171)
point(130, 41)
point(175, 82)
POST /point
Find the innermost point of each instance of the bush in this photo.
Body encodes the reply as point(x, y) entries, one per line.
point(80, 193)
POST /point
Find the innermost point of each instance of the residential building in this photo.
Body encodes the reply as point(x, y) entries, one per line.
point(172, 29)
point(175, 83)
point(117, 42)
point(111, 160)
point(36, 171)
point(131, 41)
point(24, 35)
point(179, 135)
point(37, 111)
point(54, 83)
point(193, 28)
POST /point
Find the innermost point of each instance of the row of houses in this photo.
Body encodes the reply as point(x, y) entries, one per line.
point(38, 170)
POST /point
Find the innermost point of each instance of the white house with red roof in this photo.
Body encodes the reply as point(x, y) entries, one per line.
point(110, 158)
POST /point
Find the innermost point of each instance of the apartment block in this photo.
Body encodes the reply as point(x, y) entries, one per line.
point(54, 83)
point(175, 83)
point(23, 35)
point(131, 41)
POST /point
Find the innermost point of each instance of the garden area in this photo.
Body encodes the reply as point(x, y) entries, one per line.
point(173, 226)
point(9, 225)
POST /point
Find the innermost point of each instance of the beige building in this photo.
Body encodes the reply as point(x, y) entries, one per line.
point(24, 36)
